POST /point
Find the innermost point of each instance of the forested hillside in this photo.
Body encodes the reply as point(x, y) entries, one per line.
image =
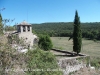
point(62, 29)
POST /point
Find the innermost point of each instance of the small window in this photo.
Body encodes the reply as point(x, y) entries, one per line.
point(35, 41)
point(28, 28)
point(24, 29)
point(19, 29)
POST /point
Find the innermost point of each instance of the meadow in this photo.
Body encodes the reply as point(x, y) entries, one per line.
point(89, 47)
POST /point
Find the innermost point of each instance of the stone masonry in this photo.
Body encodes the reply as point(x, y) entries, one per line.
point(24, 30)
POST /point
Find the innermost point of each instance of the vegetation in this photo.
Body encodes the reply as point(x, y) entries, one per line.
point(13, 38)
point(5, 58)
point(90, 30)
point(1, 25)
point(89, 47)
point(9, 28)
point(42, 63)
point(77, 34)
point(95, 62)
point(10, 58)
point(45, 42)
point(5, 55)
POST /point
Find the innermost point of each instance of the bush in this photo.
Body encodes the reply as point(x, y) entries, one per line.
point(42, 61)
point(45, 42)
point(5, 57)
point(95, 62)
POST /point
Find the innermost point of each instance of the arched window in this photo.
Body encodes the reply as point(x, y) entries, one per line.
point(35, 41)
point(24, 29)
point(18, 29)
point(28, 28)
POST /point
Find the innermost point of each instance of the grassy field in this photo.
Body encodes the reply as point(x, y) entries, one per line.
point(89, 47)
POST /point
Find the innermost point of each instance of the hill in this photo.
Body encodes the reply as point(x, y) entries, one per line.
point(65, 29)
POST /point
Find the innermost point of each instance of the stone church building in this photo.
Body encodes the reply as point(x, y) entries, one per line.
point(24, 31)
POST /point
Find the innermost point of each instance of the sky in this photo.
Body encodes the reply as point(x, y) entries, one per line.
point(41, 11)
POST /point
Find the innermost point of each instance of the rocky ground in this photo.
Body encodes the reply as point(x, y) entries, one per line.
point(86, 71)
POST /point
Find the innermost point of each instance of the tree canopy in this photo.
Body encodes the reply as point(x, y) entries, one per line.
point(90, 30)
point(45, 42)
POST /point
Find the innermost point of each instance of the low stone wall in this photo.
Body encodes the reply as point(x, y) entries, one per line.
point(70, 65)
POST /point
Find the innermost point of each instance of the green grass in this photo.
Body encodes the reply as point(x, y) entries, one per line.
point(89, 47)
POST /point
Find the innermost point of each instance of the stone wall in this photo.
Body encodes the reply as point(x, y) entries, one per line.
point(72, 64)
point(28, 37)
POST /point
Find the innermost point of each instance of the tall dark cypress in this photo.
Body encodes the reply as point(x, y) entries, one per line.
point(77, 34)
point(1, 26)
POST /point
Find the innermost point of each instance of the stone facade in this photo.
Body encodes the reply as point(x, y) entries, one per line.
point(24, 30)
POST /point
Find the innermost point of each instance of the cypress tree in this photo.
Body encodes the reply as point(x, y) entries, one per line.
point(1, 26)
point(77, 35)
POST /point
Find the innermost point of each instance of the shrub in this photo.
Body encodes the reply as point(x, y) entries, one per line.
point(95, 62)
point(5, 57)
point(42, 61)
point(45, 42)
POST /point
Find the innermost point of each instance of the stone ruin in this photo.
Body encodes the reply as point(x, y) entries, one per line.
point(24, 33)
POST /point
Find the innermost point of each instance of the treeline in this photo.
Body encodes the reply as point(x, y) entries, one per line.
point(9, 28)
point(62, 29)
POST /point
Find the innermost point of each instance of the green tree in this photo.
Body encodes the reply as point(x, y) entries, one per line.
point(45, 42)
point(1, 25)
point(77, 35)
